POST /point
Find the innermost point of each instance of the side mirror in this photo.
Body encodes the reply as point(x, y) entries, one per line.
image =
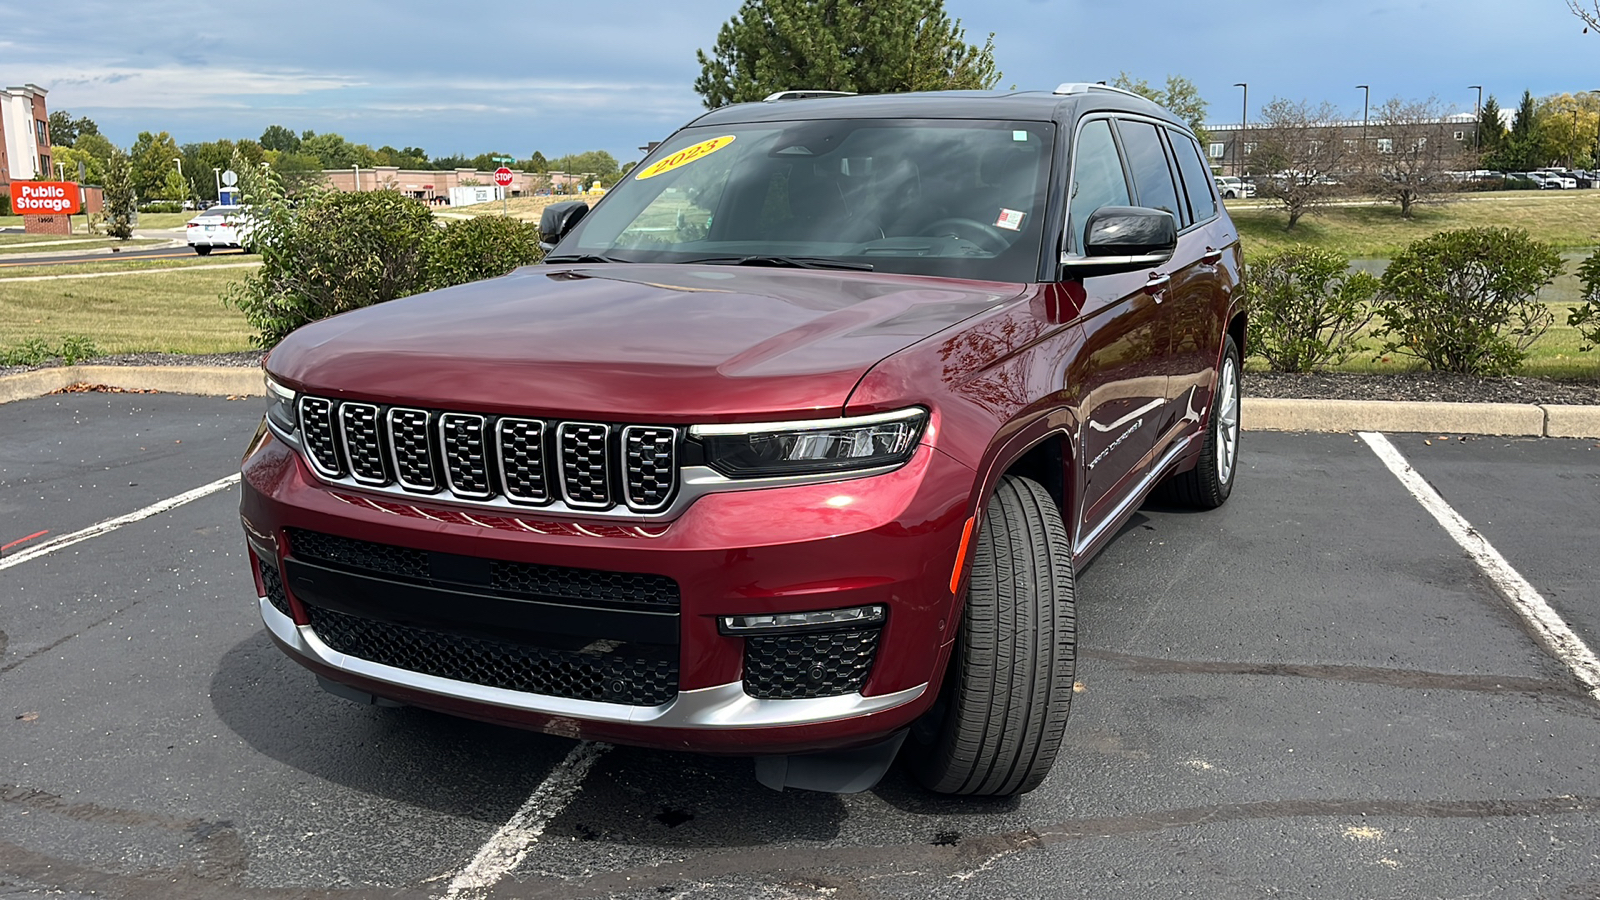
point(1124, 238)
point(558, 219)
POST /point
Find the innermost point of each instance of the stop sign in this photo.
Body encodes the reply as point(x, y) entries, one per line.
point(502, 176)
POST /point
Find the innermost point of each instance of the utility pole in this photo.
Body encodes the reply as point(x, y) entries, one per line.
point(1244, 120)
point(1366, 106)
point(1477, 118)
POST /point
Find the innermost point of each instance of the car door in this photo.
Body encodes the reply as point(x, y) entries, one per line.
point(1199, 301)
point(1119, 376)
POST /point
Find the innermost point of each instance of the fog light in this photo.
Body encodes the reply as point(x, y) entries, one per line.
point(796, 622)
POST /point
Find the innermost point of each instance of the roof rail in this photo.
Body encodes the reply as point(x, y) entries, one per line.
point(1081, 87)
point(805, 95)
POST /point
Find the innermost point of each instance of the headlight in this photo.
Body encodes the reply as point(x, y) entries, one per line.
point(812, 447)
point(280, 407)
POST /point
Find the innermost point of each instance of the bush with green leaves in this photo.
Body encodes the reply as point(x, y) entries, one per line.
point(1307, 308)
point(482, 247)
point(334, 253)
point(1467, 301)
point(1586, 318)
point(71, 350)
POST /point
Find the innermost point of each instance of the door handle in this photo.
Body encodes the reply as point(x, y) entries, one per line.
point(1212, 256)
point(1157, 285)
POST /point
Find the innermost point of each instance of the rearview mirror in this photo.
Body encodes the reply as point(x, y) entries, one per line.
point(1124, 238)
point(558, 219)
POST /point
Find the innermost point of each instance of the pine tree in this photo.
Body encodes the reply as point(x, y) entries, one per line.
point(1491, 131)
point(841, 45)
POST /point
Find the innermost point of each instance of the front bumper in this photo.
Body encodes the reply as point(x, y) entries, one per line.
point(887, 540)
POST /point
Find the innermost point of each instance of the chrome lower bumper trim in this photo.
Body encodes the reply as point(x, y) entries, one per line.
point(721, 706)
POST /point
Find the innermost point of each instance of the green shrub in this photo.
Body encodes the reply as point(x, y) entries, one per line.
point(1306, 308)
point(73, 349)
point(1586, 318)
point(482, 247)
point(162, 206)
point(334, 253)
point(1466, 301)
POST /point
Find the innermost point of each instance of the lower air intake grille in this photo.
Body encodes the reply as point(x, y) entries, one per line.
point(385, 559)
point(804, 666)
point(276, 595)
point(613, 676)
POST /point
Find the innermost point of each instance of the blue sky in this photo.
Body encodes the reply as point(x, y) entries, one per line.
point(613, 74)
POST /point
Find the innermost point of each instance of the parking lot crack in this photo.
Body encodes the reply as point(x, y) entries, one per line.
point(1401, 678)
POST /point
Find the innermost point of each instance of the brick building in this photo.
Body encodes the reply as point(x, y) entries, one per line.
point(1233, 145)
point(24, 134)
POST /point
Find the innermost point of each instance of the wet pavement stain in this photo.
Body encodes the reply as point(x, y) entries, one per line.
point(672, 818)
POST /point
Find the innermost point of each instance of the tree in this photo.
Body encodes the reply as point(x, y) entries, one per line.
point(1180, 96)
point(65, 130)
point(299, 172)
point(1491, 131)
point(121, 203)
point(535, 163)
point(1567, 126)
point(597, 163)
point(1523, 147)
point(1414, 154)
point(277, 137)
point(841, 45)
point(153, 156)
point(93, 168)
point(334, 152)
point(1309, 144)
point(173, 187)
point(1589, 14)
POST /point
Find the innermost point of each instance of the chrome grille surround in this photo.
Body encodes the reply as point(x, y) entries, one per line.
point(650, 461)
point(409, 450)
point(585, 463)
point(466, 455)
point(316, 426)
point(520, 447)
point(363, 443)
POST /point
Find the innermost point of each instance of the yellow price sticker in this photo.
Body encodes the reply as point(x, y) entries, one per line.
point(685, 156)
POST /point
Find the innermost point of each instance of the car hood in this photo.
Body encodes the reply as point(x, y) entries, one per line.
point(661, 343)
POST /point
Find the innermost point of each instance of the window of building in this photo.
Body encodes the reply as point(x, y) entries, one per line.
point(1418, 144)
point(1461, 135)
point(1249, 147)
point(1350, 144)
point(1152, 176)
point(42, 129)
point(1217, 149)
point(1097, 178)
point(44, 165)
point(1385, 145)
point(1314, 147)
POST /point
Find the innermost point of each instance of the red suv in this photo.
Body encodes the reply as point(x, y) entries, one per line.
point(790, 448)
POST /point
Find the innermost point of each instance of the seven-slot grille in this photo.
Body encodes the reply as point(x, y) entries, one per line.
point(587, 465)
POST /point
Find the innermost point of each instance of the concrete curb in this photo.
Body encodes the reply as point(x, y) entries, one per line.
point(1266, 414)
point(1258, 413)
point(214, 381)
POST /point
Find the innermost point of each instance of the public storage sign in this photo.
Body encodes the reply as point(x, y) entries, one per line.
point(45, 198)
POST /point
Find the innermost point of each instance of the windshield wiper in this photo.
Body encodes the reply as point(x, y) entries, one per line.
point(793, 262)
point(584, 258)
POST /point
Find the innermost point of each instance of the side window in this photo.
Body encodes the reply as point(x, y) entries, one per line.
point(1097, 178)
point(1147, 159)
point(1196, 177)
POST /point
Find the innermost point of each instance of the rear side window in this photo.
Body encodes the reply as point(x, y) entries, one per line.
point(1152, 177)
point(1196, 177)
point(1097, 178)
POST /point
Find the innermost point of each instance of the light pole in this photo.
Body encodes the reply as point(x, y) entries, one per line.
point(1477, 118)
point(216, 174)
point(1366, 105)
point(1244, 120)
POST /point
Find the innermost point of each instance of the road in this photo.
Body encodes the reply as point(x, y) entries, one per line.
point(1312, 692)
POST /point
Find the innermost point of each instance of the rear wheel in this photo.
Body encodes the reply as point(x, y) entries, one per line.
point(203, 251)
point(1209, 483)
point(998, 723)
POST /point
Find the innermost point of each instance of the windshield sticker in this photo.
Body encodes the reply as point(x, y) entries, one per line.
point(685, 156)
point(1010, 219)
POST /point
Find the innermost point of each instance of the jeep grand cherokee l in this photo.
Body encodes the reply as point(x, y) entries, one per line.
point(789, 449)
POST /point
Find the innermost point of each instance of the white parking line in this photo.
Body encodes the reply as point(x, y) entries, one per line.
point(506, 848)
point(1546, 624)
point(110, 525)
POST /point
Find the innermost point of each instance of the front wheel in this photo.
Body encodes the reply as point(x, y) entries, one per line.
point(1209, 483)
point(997, 725)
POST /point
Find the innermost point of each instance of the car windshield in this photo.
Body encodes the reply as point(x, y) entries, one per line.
point(953, 198)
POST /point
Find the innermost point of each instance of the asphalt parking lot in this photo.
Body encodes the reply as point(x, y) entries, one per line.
point(1312, 692)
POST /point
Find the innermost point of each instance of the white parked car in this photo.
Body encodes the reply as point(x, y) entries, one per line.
point(1231, 187)
point(219, 226)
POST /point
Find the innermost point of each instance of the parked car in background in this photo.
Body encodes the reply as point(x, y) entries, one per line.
point(219, 226)
point(1558, 179)
point(789, 449)
point(1232, 187)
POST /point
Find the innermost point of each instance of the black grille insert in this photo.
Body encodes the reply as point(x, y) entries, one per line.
point(316, 425)
point(583, 464)
point(358, 424)
point(276, 595)
point(521, 443)
point(652, 464)
point(466, 460)
point(804, 666)
point(413, 459)
point(605, 671)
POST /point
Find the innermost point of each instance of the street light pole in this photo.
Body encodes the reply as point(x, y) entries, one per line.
point(1477, 118)
point(1244, 120)
point(1366, 105)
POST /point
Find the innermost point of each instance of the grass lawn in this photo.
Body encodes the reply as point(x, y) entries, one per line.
point(172, 312)
point(528, 209)
point(187, 261)
point(77, 242)
point(1564, 219)
point(146, 220)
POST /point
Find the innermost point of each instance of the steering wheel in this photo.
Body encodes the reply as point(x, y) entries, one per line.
point(984, 235)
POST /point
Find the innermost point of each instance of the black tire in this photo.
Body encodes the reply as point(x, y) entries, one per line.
point(997, 725)
point(1209, 483)
point(203, 251)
